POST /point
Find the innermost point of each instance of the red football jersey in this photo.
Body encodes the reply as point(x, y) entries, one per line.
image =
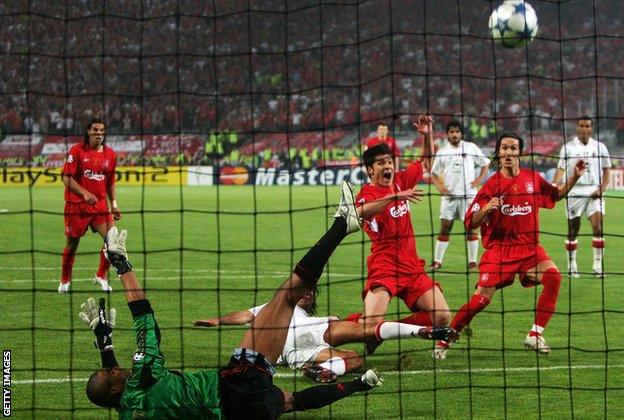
point(374, 141)
point(93, 170)
point(517, 220)
point(393, 248)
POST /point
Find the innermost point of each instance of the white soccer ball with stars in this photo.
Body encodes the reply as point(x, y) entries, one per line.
point(513, 23)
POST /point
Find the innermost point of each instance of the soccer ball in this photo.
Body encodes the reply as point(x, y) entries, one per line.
point(513, 23)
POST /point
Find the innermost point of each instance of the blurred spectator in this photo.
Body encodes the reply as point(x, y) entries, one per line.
point(383, 137)
point(146, 70)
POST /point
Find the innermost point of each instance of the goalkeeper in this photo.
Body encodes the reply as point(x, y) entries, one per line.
point(244, 388)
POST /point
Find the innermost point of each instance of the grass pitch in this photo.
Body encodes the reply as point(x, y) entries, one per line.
point(204, 251)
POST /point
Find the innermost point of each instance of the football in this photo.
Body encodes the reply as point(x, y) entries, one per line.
point(513, 23)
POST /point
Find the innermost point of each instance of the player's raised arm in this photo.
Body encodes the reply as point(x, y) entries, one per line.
point(102, 324)
point(145, 325)
point(424, 125)
point(115, 246)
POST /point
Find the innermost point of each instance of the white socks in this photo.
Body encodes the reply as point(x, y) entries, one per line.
point(442, 245)
point(473, 249)
point(537, 329)
point(336, 365)
point(440, 249)
point(392, 330)
point(571, 247)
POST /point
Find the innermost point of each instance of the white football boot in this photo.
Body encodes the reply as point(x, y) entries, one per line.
point(536, 343)
point(371, 378)
point(103, 284)
point(573, 270)
point(347, 210)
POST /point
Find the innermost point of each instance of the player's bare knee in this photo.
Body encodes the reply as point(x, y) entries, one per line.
point(353, 362)
point(551, 277)
point(441, 317)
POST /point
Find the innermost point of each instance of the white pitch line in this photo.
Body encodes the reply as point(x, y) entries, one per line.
point(185, 277)
point(386, 373)
point(177, 270)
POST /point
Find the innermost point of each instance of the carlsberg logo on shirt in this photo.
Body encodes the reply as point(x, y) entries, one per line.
point(516, 209)
point(398, 211)
point(96, 176)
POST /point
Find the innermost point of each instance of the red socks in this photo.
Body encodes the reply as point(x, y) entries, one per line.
point(465, 314)
point(104, 266)
point(418, 318)
point(354, 317)
point(67, 265)
point(547, 302)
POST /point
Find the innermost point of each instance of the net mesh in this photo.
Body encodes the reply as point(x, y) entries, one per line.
point(281, 97)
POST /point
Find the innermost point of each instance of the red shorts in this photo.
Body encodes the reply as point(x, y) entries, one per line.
point(499, 265)
point(407, 288)
point(79, 216)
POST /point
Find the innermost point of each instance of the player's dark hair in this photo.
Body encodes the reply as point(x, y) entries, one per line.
point(382, 123)
point(585, 118)
point(99, 390)
point(312, 309)
point(454, 124)
point(495, 159)
point(369, 156)
point(93, 121)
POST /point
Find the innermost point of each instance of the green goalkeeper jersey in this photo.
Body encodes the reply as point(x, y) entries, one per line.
point(153, 392)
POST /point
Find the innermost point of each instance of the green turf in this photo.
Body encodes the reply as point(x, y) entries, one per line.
point(243, 242)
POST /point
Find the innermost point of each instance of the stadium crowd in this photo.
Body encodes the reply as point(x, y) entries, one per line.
point(276, 72)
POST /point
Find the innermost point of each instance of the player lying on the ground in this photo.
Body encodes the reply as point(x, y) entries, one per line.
point(507, 211)
point(242, 390)
point(311, 340)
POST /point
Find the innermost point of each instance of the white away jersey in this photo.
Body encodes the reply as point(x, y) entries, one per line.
point(304, 331)
point(594, 153)
point(457, 165)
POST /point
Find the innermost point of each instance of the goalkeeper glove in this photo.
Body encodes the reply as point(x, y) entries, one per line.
point(115, 250)
point(100, 323)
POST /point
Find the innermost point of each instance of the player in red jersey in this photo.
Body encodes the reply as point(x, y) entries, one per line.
point(507, 211)
point(394, 268)
point(383, 138)
point(89, 178)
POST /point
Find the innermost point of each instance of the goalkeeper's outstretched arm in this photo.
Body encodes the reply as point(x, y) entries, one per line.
point(101, 323)
point(132, 288)
point(115, 246)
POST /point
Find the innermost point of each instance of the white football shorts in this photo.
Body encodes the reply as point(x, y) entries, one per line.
point(454, 208)
point(578, 206)
point(306, 343)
